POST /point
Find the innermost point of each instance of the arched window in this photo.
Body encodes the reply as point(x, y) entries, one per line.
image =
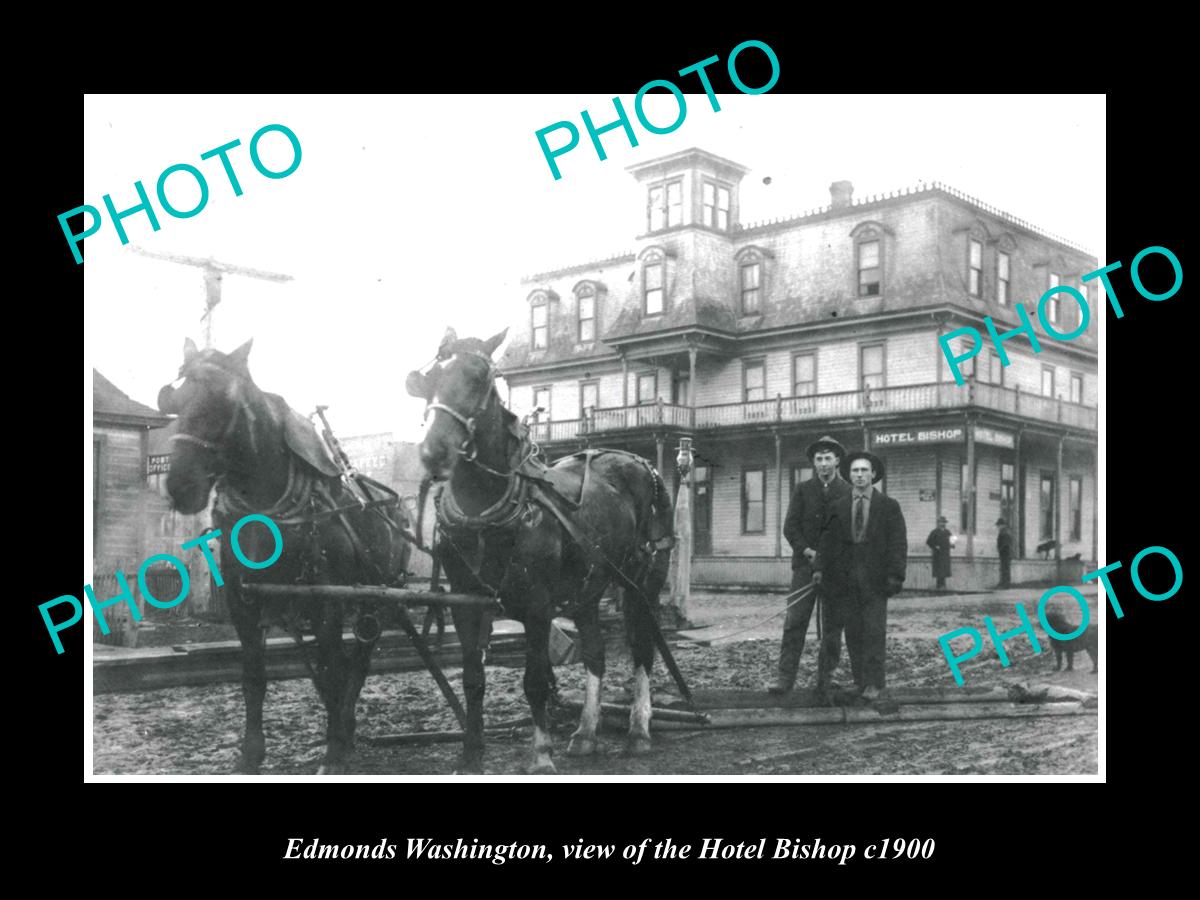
point(587, 301)
point(870, 246)
point(654, 282)
point(752, 263)
point(539, 322)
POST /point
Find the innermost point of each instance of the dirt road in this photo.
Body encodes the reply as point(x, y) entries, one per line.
point(197, 730)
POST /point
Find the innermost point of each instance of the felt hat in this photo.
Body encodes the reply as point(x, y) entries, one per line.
point(1001, 522)
point(825, 443)
point(874, 460)
point(942, 520)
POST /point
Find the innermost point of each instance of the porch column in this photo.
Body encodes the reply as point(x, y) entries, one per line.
point(658, 446)
point(692, 386)
point(779, 495)
point(624, 381)
point(970, 489)
point(1058, 493)
point(1018, 512)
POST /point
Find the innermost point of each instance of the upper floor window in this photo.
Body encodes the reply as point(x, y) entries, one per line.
point(586, 297)
point(647, 387)
point(804, 374)
point(666, 204)
point(1003, 263)
point(1047, 381)
point(868, 269)
point(541, 319)
point(541, 401)
point(871, 366)
point(997, 370)
point(975, 268)
point(751, 280)
point(1076, 387)
point(754, 376)
point(716, 206)
point(589, 398)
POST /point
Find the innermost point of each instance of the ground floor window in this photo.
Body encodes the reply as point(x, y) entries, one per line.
point(754, 501)
point(1076, 501)
point(1046, 498)
point(967, 502)
point(1008, 493)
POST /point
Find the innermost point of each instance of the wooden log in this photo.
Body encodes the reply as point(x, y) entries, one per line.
point(442, 737)
point(804, 697)
point(660, 713)
point(362, 592)
point(856, 715)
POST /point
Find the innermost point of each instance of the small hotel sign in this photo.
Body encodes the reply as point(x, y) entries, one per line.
point(917, 436)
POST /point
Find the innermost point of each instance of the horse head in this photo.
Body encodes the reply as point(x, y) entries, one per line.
point(459, 391)
point(210, 398)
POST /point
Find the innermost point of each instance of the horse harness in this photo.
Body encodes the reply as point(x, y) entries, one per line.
point(528, 487)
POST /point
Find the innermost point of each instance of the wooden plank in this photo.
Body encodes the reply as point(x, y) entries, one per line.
point(362, 592)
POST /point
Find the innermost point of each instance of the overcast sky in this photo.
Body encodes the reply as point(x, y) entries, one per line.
point(411, 213)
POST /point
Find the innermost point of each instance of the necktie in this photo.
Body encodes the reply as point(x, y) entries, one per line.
point(858, 520)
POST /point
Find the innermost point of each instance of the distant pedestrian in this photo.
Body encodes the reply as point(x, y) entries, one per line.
point(939, 542)
point(1004, 546)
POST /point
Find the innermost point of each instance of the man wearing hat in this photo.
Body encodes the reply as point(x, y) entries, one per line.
point(806, 516)
point(861, 562)
point(938, 543)
point(1004, 543)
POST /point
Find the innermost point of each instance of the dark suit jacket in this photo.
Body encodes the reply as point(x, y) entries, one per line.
point(886, 544)
point(806, 516)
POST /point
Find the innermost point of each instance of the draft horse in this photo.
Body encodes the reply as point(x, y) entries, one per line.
point(262, 457)
point(546, 540)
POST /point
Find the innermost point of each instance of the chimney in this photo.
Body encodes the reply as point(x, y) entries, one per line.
point(840, 193)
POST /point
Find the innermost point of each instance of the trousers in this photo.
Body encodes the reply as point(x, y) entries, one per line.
point(795, 625)
point(1005, 570)
point(862, 613)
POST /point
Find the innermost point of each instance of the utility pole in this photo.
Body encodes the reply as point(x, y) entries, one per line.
point(213, 271)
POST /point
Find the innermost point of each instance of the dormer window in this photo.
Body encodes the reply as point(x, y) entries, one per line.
point(716, 206)
point(751, 279)
point(666, 204)
point(540, 311)
point(868, 268)
point(1003, 270)
point(586, 299)
point(974, 267)
point(870, 257)
point(653, 276)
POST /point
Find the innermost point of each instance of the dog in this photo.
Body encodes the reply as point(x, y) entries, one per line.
point(1087, 641)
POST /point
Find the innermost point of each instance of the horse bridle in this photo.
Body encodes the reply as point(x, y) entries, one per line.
point(218, 446)
point(468, 449)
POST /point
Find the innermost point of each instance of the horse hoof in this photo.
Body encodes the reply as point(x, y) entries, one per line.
point(579, 745)
point(246, 767)
point(542, 767)
point(638, 746)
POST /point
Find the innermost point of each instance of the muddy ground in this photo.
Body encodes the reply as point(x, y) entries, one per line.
point(196, 730)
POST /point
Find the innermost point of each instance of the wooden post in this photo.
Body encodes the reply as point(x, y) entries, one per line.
point(624, 381)
point(681, 556)
point(658, 447)
point(779, 495)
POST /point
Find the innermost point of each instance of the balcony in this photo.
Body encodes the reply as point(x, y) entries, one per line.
point(844, 405)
